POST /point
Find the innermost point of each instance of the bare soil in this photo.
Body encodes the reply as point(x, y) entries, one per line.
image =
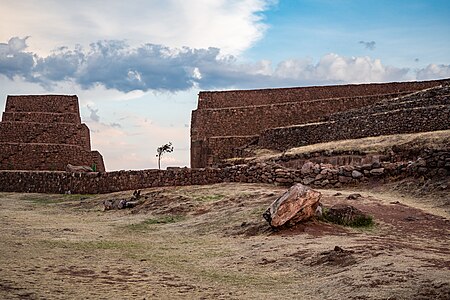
point(211, 242)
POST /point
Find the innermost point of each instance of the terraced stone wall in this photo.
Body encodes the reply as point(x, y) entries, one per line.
point(44, 132)
point(47, 133)
point(43, 103)
point(252, 120)
point(242, 98)
point(421, 112)
point(249, 113)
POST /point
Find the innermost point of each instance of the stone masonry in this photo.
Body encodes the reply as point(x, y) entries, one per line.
point(44, 132)
point(226, 122)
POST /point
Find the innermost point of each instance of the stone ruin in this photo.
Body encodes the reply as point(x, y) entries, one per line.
point(44, 132)
point(227, 123)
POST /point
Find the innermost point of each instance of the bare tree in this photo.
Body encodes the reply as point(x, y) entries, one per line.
point(161, 150)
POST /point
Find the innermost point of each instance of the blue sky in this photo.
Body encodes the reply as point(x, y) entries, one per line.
point(137, 66)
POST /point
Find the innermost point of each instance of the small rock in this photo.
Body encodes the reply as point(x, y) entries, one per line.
point(357, 174)
point(376, 165)
point(308, 180)
point(377, 171)
point(353, 196)
point(319, 176)
point(307, 167)
point(338, 194)
point(344, 179)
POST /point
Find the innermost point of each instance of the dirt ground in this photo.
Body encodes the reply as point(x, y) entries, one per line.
point(211, 242)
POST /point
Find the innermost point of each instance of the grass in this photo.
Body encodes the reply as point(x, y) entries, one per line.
point(364, 221)
point(209, 198)
point(45, 199)
point(91, 245)
point(381, 144)
point(155, 221)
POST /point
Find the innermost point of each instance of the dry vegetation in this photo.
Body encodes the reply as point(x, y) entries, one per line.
point(437, 140)
point(211, 242)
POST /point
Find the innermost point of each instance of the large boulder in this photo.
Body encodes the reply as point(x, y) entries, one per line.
point(299, 203)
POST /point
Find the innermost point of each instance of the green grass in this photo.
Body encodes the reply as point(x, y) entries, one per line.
point(44, 199)
point(359, 222)
point(209, 198)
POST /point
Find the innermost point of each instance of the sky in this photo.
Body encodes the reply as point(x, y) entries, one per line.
point(137, 66)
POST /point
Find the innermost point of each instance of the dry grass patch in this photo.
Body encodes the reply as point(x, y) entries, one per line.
point(437, 140)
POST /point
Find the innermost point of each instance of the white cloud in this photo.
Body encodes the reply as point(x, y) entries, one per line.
point(231, 25)
point(114, 65)
point(335, 68)
point(433, 71)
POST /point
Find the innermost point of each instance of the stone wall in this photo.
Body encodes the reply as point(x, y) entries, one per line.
point(431, 164)
point(421, 112)
point(41, 117)
point(253, 120)
point(18, 156)
point(240, 98)
point(44, 132)
point(43, 103)
point(249, 113)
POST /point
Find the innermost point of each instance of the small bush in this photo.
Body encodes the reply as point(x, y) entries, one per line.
point(356, 221)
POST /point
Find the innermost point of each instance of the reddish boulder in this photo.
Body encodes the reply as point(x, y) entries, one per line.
point(299, 203)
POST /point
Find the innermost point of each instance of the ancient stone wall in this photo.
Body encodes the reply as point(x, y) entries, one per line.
point(43, 103)
point(253, 120)
point(18, 156)
point(41, 117)
point(430, 164)
point(44, 132)
point(242, 98)
point(248, 113)
point(421, 112)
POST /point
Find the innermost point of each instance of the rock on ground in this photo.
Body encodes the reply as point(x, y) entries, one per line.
point(299, 203)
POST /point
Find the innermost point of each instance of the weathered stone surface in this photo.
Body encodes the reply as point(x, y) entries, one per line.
point(297, 204)
point(344, 179)
point(77, 169)
point(357, 174)
point(377, 171)
point(354, 196)
point(308, 180)
point(45, 133)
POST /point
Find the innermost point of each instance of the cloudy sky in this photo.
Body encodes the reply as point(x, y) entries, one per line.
point(138, 65)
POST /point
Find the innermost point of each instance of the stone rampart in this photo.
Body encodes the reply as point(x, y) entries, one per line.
point(240, 98)
point(425, 111)
point(17, 156)
point(41, 117)
point(388, 123)
point(43, 103)
point(250, 113)
point(431, 164)
point(45, 133)
point(253, 120)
